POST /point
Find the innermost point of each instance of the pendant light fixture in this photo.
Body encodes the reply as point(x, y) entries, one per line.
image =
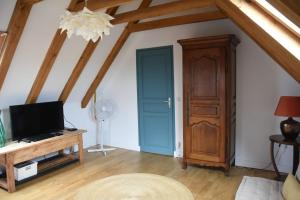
point(86, 23)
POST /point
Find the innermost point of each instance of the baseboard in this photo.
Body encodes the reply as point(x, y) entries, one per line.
point(137, 148)
point(261, 165)
point(178, 153)
point(132, 148)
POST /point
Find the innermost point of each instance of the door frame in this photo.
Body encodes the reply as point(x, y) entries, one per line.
point(140, 106)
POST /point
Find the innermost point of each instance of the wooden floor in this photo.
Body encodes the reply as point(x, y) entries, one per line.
point(205, 184)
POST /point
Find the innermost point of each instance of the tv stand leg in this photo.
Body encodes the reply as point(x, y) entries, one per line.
point(80, 148)
point(61, 152)
point(10, 176)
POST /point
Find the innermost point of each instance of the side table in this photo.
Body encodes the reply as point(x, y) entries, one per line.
point(279, 139)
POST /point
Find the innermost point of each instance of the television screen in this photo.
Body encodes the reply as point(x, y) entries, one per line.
point(34, 119)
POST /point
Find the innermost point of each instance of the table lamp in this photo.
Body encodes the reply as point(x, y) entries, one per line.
point(289, 106)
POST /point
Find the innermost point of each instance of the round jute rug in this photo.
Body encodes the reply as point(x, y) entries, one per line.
point(134, 187)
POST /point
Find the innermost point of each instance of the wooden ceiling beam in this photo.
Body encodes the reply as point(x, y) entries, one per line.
point(98, 4)
point(14, 31)
point(160, 10)
point(83, 60)
point(292, 4)
point(30, 2)
point(2, 39)
point(279, 52)
point(260, 6)
point(288, 9)
point(110, 58)
point(52, 53)
point(180, 20)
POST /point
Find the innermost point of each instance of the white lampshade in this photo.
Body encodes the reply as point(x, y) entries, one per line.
point(85, 23)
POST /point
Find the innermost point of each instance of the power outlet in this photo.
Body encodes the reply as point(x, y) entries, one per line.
point(179, 145)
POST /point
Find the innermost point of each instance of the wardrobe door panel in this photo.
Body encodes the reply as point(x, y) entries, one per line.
point(205, 76)
point(205, 142)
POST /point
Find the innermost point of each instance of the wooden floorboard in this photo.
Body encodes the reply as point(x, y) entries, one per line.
point(205, 184)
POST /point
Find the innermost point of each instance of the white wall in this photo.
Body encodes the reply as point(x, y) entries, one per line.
point(260, 81)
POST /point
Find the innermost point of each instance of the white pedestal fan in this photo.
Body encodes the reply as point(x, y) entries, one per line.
point(102, 110)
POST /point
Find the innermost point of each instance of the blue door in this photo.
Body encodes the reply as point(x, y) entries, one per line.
point(155, 100)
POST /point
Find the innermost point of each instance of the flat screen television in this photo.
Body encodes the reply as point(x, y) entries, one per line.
point(34, 119)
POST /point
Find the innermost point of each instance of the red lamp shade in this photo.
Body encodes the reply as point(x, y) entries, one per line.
point(288, 106)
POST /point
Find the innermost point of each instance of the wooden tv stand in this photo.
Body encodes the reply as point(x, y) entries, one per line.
point(15, 153)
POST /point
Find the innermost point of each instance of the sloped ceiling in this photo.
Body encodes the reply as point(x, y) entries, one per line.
point(277, 40)
point(42, 25)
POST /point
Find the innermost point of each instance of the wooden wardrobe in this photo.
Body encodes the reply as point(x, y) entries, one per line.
point(209, 100)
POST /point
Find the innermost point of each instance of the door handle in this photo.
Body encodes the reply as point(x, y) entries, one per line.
point(169, 102)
